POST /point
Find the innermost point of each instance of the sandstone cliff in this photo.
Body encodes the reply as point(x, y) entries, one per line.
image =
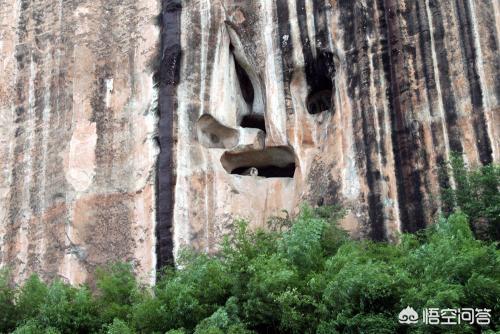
point(352, 102)
point(262, 105)
point(77, 149)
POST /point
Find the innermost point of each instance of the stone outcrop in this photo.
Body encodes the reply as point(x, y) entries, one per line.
point(125, 135)
point(339, 101)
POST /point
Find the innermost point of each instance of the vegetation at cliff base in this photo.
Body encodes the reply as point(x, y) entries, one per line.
point(301, 275)
point(310, 278)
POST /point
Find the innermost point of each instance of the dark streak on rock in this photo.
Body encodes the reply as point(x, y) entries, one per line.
point(449, 104)
point(476, 95)
point(36, 193)
point(358, 25)
point(319, 65)
point(420, 153)
point(368, 143)
point(438, 138)
point(18, 164)
point(168, 77)
point(408, 179)
point(487, 11)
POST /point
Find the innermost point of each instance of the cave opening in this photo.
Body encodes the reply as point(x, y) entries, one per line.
point(245, 83)
point(254, 121)
point(272, 162)
point(266, 171)
point(320, 73)
point(319, 102)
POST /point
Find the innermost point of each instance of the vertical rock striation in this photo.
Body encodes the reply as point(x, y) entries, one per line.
point(77, 149)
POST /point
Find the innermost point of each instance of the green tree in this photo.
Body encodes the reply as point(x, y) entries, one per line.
point(477, 194)
point(7, 307)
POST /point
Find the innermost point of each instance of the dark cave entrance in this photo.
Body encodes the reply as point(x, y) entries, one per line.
point(254, 121)
point(320, 74)
point(267, 171)
point(245, 83)
point(320, 101)
point(272, 162)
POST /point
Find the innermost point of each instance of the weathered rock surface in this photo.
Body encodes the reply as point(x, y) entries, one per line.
point(359, 103)
point(77, 149)
point(262, 105)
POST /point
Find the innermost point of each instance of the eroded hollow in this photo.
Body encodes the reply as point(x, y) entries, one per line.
point(273, 162)
point(320, 73)
point(212, 134)
point(255, 121)
point(320, 101)
point(245, 83)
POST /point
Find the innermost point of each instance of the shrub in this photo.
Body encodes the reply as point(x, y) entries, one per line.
point(68, 309)
point(7, 308)
point(118, 327)
point(31, 297)
point(477, 194)
point(117, 289)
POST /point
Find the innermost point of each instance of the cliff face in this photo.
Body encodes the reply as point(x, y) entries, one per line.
point(262, 105)
point(352, 102)
point(77, 154)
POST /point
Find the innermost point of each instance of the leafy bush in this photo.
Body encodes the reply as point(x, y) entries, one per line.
point(119, 327)
point(117, 290)
point(299, 276)
point(7, 307)
point(477, 194)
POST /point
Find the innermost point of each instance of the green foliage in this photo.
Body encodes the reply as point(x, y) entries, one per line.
point(221, 322)
point(477, 194)
point(176, 331)
point(31, 297)
point(117, 288)
point(33, 327)
point(68, 309)
point(7, 307)
point(299, 276)
point(119, 327)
